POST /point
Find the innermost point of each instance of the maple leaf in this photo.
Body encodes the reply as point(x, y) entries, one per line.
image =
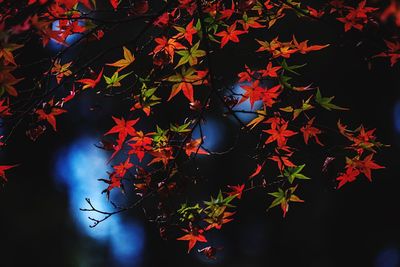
point(303, 47)
point(315, 13)
point(393, 10)
point(61, 71)
point(283, 198)
point(191, 55)
point(186, 32)
point(7, 82)
point(309, 131)
point(253, 92)
point(231, 34)
point(114, 3)
point(49, 113)
point(356, 17)
point(125, 62)
point(257, 171)
point(393, 52)
point(227, 12)
point(294, 172)
point(270, 95)
point(90, 83)
point(146, 99)
point(163, 155)
point(44, 29)
point(4, 107)
point(184, 82)
point(189, 5)
point(218, 219)
point(114, 181)
point(279, 134)
point(276, 48)
point(123, 127)
point(364, 166)
point(122, 168)
point(167, 45)
point(193, 236)
point(260, 118)
point(6, 52)
point(115, 79)
point(71, 95)
point(304, 107)
point(282, 161)
point(246, 76)
point(350, 176)
point(250, 22)
point(4, 168)
point(325, 102)
point(236, 190)
point(142, 143)
point(270, 71)
point(194, 147)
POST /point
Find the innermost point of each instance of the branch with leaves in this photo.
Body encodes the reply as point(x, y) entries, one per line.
point(171, 59)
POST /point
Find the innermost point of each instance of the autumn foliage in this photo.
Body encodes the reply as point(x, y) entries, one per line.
point(171, 61)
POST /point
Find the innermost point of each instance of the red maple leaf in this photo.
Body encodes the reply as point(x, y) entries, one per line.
point(114, 3)
point(236, 190)
point(49, 113)
point(4, 107)
point(90, 83)
point(186, 32)
point(350, 176)
point(217, 221)
point(393, 52)
point(279, 134)
point(194, 147)
point(123, 128)
point(269, 96)
point(270, 71)
point(123, 167)
point(228, 12)
point(253, 92)
point(231, 34)
point(3, 169)
point(282, 161)
point(193, 236)
point(309, 131)
point(142, 143)
point(315, 13)
point(356, 17)
point(167, 45)
point(366, 165)
point(257, 171)
point(246, 76)
point(303, 47)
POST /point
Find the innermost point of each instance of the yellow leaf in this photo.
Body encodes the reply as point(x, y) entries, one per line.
point(125, 62)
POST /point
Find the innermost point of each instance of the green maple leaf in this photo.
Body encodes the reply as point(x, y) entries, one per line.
point(115, 79)
point(190, 56)
point(325, 102)
point(294, 172)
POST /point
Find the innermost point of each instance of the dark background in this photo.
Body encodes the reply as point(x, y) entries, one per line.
point(355, 226)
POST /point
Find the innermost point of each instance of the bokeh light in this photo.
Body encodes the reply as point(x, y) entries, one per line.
point(77, 169)
point(397, 117)
point(213, 131)
point(388, 257)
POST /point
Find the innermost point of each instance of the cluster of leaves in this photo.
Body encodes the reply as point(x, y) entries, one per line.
point(178, 56)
